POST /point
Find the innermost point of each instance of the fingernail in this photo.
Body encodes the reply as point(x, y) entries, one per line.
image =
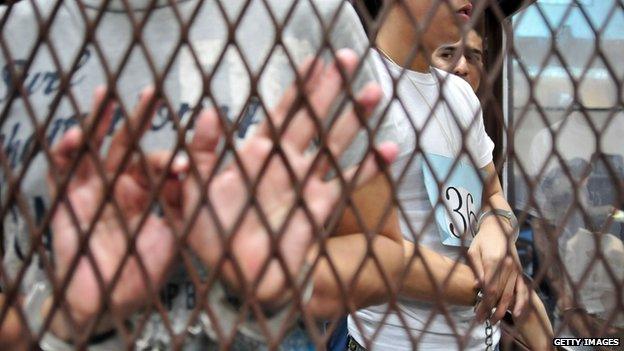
point(180, 163)
point(316, 68)
point(346, 54)
point(146, 91)
point(371, 92)
point(347, 59)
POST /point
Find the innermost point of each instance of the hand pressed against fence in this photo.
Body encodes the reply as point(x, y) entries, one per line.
point(109, 221)
point(128, 208)
point(276, 188)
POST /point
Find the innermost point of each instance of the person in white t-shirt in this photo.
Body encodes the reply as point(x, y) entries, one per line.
point(442, 123)
point(465, 59)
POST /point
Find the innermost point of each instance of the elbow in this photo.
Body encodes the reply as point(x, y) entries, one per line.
point(381, 279)
point(389, 282)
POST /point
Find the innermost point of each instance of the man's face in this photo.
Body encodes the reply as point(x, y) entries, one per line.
point(443, 18)
point(466, 62)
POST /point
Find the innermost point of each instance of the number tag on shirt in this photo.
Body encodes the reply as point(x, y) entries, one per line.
point(456, 213)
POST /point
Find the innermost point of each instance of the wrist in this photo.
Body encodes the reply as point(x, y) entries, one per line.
point(568, 307)
point(564, 303)
point(466, 283)
point(60, 329)
point(502, 219)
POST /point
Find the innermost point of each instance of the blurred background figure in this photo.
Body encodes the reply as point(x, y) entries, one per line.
point(575, 217)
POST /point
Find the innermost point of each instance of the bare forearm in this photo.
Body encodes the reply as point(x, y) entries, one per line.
point(61, 326)
point(358, 266)
point(546, 245)
point(432, 276)
point(536, 330)
point(494, 198)
point(364, 287)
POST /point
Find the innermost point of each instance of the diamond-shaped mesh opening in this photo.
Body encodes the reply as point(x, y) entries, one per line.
point(216, 174)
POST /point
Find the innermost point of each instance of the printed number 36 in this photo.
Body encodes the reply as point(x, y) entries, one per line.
point(460, 205)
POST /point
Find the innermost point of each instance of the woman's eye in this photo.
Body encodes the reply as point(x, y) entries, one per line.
point(476, 58)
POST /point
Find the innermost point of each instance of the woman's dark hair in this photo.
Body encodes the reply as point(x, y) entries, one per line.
point(373, 6)
point(367, 10)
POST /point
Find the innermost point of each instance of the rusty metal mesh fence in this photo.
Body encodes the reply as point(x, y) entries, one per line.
point(211, 174)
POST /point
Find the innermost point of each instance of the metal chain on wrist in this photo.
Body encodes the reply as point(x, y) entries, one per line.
point(488, 325)
point(488, 335)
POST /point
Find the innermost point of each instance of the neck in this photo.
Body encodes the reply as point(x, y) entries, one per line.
point(396, 38)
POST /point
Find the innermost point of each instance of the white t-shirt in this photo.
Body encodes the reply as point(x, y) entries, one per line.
point(416, 95)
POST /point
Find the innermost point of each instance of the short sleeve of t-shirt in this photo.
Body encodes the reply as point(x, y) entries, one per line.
point(348, 32)
point(483, 144)
point(479, 143)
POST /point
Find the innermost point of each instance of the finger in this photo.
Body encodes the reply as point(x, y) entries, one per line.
point(207, 132)
point(157, 163)
point(62, 155)
point(368, 169)
point(101, 116)
point(309, 72)
point(505, 299)
point(171, 192)
point(302, 128)
point(494, 278)
point(161, 164)
point(476, 263)
point(348, 125)
point(133, 129)
point(474, 258)
point(64, 150)
point(523, 295)
point(205, 140)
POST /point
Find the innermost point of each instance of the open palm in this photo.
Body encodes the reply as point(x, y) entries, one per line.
point(255, 199)
point(114, 225)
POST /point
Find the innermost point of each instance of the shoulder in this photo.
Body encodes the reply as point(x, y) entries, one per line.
point(457, 85)
point(329, 7)
point(458, 92)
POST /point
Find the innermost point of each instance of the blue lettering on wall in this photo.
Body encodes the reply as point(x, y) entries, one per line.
point(16, 149)
point(249, 117)
point(12, 146)
point(47, 81)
